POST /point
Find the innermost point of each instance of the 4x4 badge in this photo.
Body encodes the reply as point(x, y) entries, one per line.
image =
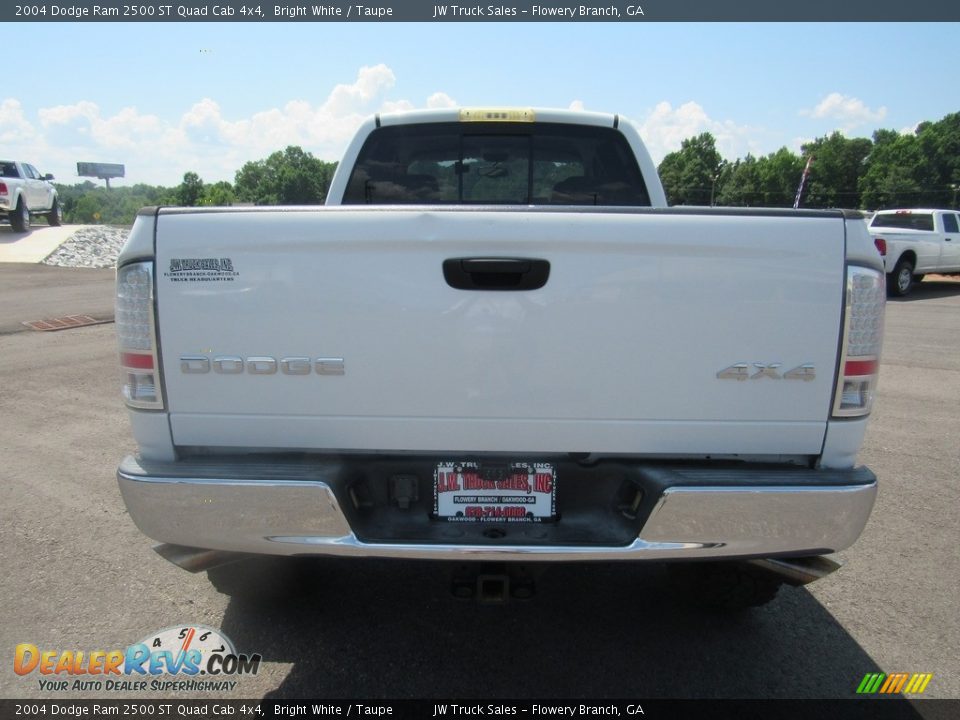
point(756, 371)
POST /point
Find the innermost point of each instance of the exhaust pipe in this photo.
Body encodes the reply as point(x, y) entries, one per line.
point(798, 571)
point(196, 560)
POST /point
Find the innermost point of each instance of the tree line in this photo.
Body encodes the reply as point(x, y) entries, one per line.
point(287, 177)
point(889, 170)
point(920, 169)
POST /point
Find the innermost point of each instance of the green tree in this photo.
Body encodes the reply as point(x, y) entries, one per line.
point(940, 149)
point(190, 191)
point(896, 172)
point(739, 183)
point(838, 164)
point(218, 194)
point(769, 181)
point(88, 203)
point(288, 177)
point(690, 175)
point(780, 174)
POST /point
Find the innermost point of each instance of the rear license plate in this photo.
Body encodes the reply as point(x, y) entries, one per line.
point(506, 492)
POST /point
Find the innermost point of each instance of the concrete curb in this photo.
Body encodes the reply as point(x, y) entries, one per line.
point(33, 246)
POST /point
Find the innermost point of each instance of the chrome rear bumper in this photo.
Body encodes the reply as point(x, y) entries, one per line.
point(293, 510)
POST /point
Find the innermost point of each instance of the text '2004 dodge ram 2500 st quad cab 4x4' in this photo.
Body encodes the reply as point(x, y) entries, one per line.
point(501, 345)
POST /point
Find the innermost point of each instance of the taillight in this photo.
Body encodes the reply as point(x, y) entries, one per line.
point(137, 336)
point(881, 246)
point(862, 338)
point(3, 189)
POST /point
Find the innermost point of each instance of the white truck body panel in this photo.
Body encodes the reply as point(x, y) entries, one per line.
point(618, 353)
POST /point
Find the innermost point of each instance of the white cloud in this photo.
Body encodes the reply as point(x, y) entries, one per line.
point(371, 82)
point(66, 114)
point(910, 130)
point(397, 106)
point(440, 100)
point(848, 112)
point(664, 128)
point(796, 145)
point(202, 139)
point(205, 139)
point(14, 126)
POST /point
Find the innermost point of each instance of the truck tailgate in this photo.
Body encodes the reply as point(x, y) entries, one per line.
point(618, 352)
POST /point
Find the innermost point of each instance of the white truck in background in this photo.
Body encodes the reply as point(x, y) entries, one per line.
point(24, 193)
point(914, 243)
point(497, 343)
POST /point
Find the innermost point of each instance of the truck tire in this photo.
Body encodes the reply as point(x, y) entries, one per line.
point(900, 281)
point(55, 216)
point(20, 220)
point(724, 585)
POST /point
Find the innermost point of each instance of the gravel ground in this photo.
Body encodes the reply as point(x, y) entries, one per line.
point(96, 246)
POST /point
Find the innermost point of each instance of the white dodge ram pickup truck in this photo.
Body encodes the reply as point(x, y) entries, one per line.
point(914, 243)
point(24, 192)
point(496, 343)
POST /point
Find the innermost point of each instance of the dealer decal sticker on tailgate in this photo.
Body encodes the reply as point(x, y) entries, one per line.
point(511, 492)
point(201, 270)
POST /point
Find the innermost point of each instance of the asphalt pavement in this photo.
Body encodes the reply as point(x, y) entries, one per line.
point(36, 292)
point(79, 575)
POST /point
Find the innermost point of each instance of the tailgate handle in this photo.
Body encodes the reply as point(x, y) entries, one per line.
point(496, 273)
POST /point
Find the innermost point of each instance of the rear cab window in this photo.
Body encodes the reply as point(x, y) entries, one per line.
point(500, 163)
point(903, 221)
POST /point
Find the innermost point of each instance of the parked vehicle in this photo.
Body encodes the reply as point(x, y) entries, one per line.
point(25, 193)
point(497, 343)
point(914, 243)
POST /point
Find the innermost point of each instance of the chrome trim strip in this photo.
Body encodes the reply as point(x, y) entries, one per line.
point(844, 343)
point(786, 518)
point(300, 515)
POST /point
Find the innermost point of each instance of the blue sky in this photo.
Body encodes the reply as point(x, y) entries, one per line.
point(165, 98)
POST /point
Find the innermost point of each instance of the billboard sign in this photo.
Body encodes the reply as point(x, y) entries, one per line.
point(104, 171)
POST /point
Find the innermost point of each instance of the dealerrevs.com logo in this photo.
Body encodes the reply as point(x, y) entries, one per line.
point(185, 658)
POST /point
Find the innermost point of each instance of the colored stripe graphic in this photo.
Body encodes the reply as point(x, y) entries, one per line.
point(894, 683)
point(905, 683)
point(870, 683)
point(918, 683)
